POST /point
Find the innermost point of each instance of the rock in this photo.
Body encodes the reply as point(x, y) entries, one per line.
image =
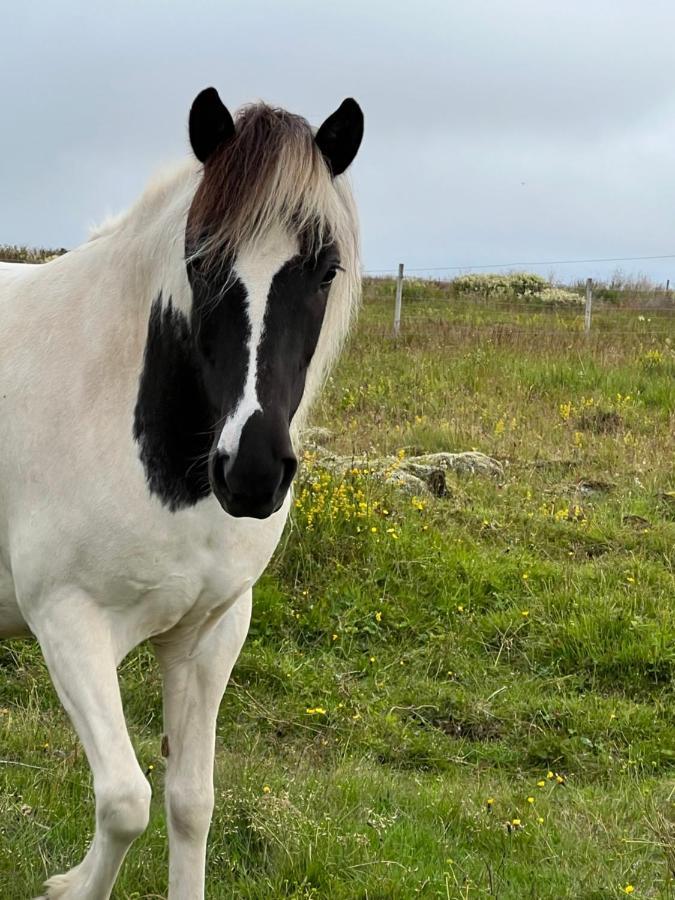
point(425, 474)
point(470, 462)
point(593, 486)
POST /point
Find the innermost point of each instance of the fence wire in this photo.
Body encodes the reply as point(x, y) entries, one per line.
point(645, 315)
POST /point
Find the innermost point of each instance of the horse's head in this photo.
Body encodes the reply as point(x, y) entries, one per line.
point(271, 246)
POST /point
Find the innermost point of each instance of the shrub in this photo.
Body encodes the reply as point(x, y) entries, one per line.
point(511, 285)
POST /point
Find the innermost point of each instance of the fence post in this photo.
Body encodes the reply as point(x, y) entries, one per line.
point(589, 304)
point(399, 297)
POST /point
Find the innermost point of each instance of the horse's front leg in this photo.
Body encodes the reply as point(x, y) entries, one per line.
point(195, 670)
point(76, 643)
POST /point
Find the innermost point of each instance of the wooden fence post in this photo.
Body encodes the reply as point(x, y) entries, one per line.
point(399, 297)
point(589, 304)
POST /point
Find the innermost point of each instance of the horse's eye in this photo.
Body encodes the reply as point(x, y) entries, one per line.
point(330, 275)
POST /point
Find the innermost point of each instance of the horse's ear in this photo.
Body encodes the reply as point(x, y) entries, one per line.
point(340, 136)
point(210, 124)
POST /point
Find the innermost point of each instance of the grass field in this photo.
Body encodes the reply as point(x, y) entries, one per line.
point(462, 697)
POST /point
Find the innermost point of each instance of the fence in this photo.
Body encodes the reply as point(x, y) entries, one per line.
point(399, 305)
point(414, 305)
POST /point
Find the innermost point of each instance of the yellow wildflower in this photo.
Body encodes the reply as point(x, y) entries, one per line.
point(566, 410)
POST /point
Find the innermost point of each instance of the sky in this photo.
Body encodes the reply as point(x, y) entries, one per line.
point(502, 133)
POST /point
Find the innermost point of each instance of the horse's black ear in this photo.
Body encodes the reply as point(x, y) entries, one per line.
point(210, 124)
point(340, 136)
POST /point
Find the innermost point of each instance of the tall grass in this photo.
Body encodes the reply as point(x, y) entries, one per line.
point(19, 253)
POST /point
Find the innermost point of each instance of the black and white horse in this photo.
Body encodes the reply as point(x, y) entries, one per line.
point(152, 382)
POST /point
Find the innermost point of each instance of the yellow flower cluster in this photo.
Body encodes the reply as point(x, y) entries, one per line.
point(621, 401)
point(568, 409)
point(324, 496)
point(565, 410)
point(517, 823)
point(500, 425)
point(329, 497)
point(574, 513)
point(653, 359)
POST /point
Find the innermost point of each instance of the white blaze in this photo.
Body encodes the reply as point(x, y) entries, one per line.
point(255, 268)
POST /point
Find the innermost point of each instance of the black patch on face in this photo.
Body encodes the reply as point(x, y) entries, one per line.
point(193, 374)
point(173, 418)
point(295, 312)
point(253, 479)
point(221, 330)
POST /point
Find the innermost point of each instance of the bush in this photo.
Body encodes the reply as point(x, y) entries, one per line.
point(511, 285)
point(515, 286)
point(559, 295)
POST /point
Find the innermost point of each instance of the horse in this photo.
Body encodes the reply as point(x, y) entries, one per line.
point(153, 386)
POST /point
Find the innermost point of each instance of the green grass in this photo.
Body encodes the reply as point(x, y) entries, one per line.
point(452, 651)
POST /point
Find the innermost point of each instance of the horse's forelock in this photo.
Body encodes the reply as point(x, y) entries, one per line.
point(271, 174)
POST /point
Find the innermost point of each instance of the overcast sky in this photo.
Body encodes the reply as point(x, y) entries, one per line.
point(511, 131)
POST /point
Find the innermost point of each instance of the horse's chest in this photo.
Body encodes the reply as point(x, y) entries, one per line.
point(198, 575)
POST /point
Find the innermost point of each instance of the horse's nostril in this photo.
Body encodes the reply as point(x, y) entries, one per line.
point(222, 465)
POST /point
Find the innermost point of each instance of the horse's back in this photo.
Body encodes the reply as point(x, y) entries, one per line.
point(9, 271)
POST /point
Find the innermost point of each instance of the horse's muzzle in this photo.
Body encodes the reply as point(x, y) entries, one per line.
point(255, 479)
point(245, 491)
